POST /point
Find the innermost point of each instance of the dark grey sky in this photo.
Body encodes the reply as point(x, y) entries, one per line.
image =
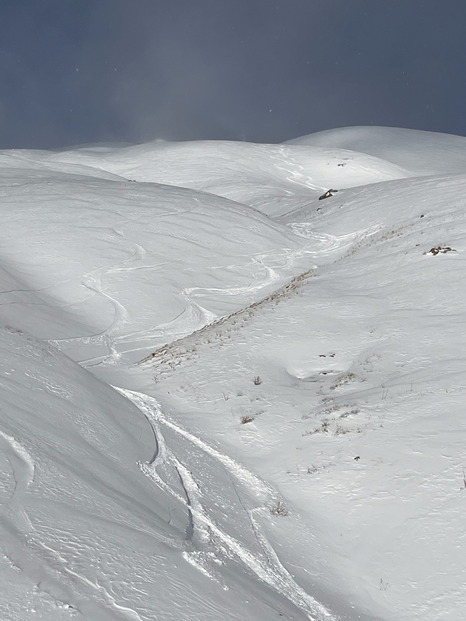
point(76, 71)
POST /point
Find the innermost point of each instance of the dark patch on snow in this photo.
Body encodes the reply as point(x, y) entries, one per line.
point(440, 250)
point(327, 194)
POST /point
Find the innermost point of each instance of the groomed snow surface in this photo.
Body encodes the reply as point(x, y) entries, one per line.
point(223, 398)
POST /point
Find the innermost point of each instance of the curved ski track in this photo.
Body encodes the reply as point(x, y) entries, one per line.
point(208, 544)
point(171, 355)
point(203, 527)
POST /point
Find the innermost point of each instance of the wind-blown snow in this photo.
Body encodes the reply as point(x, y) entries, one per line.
point(224, 398)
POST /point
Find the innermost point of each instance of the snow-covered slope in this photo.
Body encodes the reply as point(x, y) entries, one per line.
point(88, 528)
point(222, 397)
point(425, 153)
point(272, 178)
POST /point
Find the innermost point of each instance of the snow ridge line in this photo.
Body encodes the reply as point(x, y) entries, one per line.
point(269, 570)
point(172, 354)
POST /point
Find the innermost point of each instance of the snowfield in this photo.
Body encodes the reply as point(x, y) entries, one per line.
point(224, 397)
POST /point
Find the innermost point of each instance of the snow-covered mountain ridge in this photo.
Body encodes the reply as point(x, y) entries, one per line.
point(224, 398)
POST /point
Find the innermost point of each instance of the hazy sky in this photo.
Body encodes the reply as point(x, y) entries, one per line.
point(76, 71)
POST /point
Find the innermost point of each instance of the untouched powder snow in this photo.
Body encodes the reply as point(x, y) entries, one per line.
point(424, 153)
point(224, 398)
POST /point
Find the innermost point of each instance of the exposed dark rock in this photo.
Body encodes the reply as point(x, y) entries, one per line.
point(327, 194)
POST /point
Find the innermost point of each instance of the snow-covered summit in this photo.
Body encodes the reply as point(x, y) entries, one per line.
point(424, 153)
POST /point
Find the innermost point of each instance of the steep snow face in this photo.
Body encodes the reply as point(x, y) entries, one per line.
point(266, 420)
point(424, 153)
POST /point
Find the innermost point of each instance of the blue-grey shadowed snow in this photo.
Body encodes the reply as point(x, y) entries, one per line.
point(74, 71)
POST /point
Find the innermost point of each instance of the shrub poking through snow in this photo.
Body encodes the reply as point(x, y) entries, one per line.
point(344, 378)
point(279, 509)
point(439, 250)
point(246, 419)
point(257, 380)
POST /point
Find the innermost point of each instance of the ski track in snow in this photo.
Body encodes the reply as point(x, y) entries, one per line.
point(295, 171)
point(171, 355)
point(23, 468)
point(194, 319)
point(211, 537)
point(93, 282)
point(200, 525)
point(327, 243)
point(266, 567)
